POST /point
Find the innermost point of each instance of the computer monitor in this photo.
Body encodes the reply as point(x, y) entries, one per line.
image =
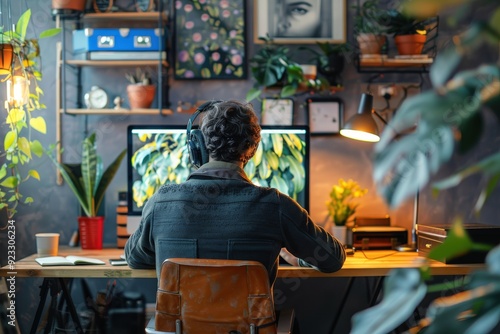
point(157, 154)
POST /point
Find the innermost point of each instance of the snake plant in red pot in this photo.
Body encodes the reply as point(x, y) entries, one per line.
point(89, 183)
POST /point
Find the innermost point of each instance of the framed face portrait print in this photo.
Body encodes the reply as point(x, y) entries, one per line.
point(277, 112)
point(325, 115)
point(300, 22)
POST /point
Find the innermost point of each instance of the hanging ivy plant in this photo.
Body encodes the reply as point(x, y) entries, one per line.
point(21, 117)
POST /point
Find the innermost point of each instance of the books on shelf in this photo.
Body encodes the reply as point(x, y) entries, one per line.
point(70, 260)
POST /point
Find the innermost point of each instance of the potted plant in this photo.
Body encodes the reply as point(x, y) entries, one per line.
point(448, 120)
point(89, 183)
point(330, 60)
point(410, 33)
point(23, 118)
point(369, 33)
point(68, 7)
point(272, 66)
point(140, 91)
point(342, 205)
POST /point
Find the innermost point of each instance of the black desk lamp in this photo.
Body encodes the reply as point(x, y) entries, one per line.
point(362, 126)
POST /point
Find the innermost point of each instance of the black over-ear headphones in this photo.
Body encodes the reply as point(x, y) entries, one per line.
point(198, 153)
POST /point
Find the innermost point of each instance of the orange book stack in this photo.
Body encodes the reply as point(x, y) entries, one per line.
point(121, 226)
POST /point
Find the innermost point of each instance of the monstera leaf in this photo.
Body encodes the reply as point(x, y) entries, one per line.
point(405, 164)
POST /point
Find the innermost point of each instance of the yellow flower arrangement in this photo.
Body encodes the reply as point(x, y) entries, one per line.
point(341, 205)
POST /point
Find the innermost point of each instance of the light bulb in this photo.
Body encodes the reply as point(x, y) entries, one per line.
point(17, 90)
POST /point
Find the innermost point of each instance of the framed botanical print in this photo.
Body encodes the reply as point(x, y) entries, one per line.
point(277, 111)
point(325, 115)
point(209, 39)
point(300, 22)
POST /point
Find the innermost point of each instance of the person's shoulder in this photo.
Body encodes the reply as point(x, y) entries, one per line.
point(170, 187)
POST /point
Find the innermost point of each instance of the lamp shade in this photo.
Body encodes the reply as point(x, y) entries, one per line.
point(362, 126)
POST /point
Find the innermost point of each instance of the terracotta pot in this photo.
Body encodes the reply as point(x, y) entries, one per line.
point(91, 230)
point(6, 53)
point(371, 43)
point(141, 96)
point(68, 6)
point(410, 44)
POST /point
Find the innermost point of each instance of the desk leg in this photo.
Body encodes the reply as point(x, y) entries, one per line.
point(378, 288)
point(71, 305)
point(55, 285)
point(44, 288)
point(342, 302)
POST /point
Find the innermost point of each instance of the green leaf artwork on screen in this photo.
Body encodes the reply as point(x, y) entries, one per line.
point(164, 159)
point(278, 164)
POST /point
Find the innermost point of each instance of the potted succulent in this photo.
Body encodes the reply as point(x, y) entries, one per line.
point(140, 91)
point(369, 33)
point(21, 56)
point(410, 33)
point(342, 206)
point(272, 66)
point(89, 183)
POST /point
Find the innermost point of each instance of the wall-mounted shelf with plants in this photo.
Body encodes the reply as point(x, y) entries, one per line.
point(85, 60)
point(413, 48)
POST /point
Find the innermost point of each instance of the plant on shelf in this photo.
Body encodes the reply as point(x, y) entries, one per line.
point(272, 67)
point(342, 205)
point(140, 91)
point(330, 60)
point(449, 120)
point(410, 33)
point(89, 182)
point(22, 106)
point(367, 29)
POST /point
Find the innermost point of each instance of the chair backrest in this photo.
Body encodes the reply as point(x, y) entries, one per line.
point(214, 296)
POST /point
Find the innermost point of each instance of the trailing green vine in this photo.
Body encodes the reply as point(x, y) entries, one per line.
point(19, 145)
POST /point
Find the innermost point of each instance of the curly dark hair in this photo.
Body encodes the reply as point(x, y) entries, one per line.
point(231, 131)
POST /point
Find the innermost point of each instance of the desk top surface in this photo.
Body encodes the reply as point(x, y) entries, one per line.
point(362, 263)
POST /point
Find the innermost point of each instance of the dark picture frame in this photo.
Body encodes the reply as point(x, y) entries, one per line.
point(277, 111)
point(210, 40)
point(325, 114)
point(323, 22)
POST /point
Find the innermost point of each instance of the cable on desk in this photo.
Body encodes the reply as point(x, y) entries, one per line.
point(377, 257)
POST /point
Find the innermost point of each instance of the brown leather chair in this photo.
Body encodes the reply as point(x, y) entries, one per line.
point(203, 296)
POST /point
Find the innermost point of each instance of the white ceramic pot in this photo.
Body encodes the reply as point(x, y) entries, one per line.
point(340, 232)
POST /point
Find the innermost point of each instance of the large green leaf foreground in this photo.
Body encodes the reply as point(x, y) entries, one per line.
point(475, 310)
point(405, 164)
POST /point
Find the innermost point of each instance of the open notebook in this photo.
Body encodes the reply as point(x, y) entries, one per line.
point(69, 260)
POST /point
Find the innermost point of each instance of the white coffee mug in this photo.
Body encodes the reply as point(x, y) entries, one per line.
point(47, 244)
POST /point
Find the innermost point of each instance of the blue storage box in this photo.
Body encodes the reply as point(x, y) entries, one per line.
point(117, 39)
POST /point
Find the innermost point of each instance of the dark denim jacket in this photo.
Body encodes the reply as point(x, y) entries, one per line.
point(219, 213)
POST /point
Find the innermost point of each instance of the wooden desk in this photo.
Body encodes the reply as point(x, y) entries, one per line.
point(361, 264)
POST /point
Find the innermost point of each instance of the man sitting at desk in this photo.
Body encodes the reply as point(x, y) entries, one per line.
point(218, 213)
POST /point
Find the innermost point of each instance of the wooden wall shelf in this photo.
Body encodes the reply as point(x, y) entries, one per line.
point(117, 112)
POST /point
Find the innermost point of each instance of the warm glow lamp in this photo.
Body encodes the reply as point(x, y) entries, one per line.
point(362, 126)
point(17, 90)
